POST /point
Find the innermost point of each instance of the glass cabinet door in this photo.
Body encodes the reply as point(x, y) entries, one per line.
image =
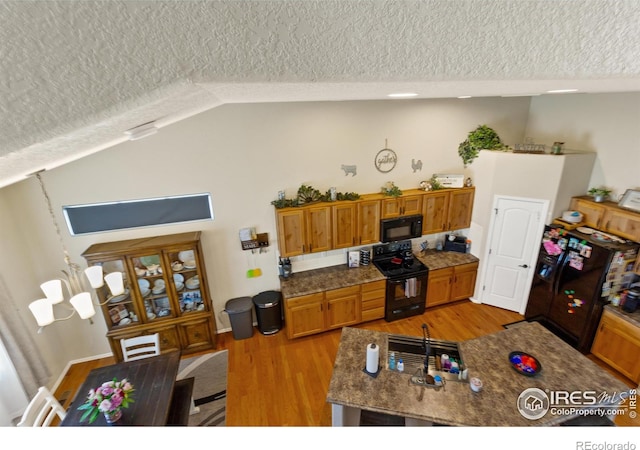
point(120, 308)
point(186, 280)
point(152, 287)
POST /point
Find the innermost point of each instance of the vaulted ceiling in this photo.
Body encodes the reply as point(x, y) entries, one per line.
point(76, 74)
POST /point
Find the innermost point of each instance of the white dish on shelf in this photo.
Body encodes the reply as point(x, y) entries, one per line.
point(159, 283)
point(190, 264)
point(193, 282)
point(158, 290)
point(186, 255)
point(120, 297)
point(125, 321)
point(585, 230)
point(151, 316)
point(143, 283)
point(179, 286)
point(145, 292)
point(178, 278)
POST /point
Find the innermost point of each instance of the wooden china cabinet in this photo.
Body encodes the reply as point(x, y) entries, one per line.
point(166, 292)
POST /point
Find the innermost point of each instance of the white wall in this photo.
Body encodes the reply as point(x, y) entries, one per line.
point(604, 123)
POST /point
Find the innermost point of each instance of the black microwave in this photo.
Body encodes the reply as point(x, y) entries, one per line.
point(401, 228)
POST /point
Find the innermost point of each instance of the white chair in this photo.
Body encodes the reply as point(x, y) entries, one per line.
point(140, 347)
point(42, 409)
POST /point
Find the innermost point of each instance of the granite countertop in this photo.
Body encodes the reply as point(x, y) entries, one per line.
point(336, 277)
point(633, 318)
point(328, 278)
point(563, 368)
point(435, 260)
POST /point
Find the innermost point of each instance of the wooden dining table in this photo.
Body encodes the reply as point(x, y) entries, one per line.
point(153, 380)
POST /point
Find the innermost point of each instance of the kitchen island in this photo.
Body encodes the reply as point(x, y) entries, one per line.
point(390, 392)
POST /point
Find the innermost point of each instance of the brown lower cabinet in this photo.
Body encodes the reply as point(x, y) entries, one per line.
point(336, 308)
point(373, 300)
point(617, 343)
point(451, 284)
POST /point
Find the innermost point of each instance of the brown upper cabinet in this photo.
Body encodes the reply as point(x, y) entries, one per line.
point(608, 216)
point(435, 206)
point(304, 230)
point(368, 222)
point(325, 226)
point(460, 208)
point(447, 210)
point(356, 223)
point(592, 212)
point(405, 205)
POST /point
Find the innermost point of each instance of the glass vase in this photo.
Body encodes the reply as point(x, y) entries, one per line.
point(114, 416)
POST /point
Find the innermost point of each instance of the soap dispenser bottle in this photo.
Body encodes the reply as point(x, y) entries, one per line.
point(392, 361)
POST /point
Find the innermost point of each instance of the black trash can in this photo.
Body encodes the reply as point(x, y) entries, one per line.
point(268, 311)
point(239, 310)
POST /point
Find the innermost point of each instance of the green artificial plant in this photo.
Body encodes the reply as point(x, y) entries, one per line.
point(482, 138)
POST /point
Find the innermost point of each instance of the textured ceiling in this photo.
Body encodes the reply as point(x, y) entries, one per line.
point(76, 74)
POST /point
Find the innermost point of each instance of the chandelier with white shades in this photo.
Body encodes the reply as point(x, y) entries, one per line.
point(80, 298)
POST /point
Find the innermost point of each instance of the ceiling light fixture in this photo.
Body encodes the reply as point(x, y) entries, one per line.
point(520, 95)
point(561, 91)
point(403, 95)
point(142, 131)
point(80, 298)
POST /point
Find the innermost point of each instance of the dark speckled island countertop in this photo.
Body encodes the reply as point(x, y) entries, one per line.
point(563, 369)
point(336, 277)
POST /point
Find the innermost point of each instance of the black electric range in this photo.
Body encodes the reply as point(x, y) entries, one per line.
point(406, 290)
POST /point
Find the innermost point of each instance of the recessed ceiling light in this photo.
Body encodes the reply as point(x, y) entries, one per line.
point(403, 95)
point(520, 95)
point(464, 96)
point(561, 91)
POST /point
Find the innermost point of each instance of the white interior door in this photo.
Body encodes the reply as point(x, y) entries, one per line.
point(514, 237)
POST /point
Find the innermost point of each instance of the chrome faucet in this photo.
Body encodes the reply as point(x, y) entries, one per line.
point(426, 337)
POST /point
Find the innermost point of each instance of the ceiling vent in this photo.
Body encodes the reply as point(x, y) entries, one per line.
point(142, 131)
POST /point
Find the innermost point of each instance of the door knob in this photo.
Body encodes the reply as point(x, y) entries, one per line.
point(523, 265)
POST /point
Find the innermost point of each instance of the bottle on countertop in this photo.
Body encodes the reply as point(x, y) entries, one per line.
point(400, 365)
point(392, 361)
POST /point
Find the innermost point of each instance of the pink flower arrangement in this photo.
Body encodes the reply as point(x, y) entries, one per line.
point(108, 399)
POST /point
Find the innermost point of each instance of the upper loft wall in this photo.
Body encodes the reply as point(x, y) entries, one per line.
point(603, 123)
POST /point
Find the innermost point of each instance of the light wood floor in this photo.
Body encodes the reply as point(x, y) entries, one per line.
point(274, 381)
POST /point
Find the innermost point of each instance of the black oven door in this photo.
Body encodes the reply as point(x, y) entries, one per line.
point(405, 296)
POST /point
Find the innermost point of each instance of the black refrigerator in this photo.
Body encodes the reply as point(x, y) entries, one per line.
point(577, 273)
